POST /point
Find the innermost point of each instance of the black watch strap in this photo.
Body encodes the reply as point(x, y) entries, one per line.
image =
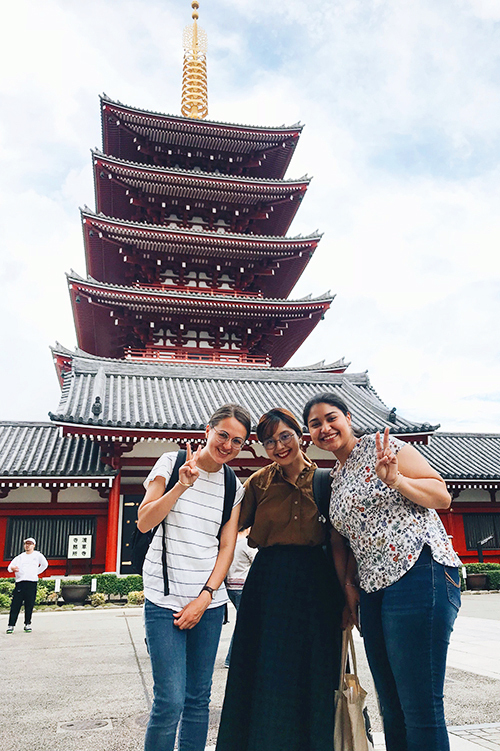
point(211, 590)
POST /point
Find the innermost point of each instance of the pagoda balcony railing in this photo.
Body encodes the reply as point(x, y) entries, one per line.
point(199, 290)
point(182, 355)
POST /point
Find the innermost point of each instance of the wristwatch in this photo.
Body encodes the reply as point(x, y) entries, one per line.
point(208, 589)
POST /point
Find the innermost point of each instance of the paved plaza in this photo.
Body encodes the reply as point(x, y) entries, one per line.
point(81, 681)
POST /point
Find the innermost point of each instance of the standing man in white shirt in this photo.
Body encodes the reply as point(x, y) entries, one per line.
point(26, 567)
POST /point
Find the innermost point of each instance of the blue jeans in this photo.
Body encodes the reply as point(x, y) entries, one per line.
point(235, 597)
point(182, 664)
point(406, 630)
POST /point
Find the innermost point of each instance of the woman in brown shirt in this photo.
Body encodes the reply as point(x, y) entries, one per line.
point(286, 651)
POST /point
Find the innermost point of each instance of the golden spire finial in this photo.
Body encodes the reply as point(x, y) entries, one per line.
point(194, 71)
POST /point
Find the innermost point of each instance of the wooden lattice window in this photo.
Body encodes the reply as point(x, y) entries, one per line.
point(479, 526)
point(50, 532)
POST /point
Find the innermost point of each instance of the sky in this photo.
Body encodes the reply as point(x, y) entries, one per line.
point(401, 105)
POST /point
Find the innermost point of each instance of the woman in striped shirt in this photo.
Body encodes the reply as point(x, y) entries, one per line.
point(183, 627)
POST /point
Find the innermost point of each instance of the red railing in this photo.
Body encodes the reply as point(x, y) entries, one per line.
point(198, 290)
point(181, 355)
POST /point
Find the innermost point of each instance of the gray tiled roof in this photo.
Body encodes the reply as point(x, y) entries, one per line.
point(177, 396)
point(463, 456)
point(37, 449)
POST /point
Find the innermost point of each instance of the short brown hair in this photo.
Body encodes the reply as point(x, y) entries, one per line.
point(269, 421)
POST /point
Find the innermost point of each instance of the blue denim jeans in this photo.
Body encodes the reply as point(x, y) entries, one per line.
point(235, 597)
point(182, 664)
point(406, 630)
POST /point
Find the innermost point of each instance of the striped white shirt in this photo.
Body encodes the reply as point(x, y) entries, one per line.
point(192, 526)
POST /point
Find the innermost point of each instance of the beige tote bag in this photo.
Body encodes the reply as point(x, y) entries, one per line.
point(352, 724)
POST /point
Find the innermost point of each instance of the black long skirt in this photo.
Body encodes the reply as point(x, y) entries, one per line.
point(285, 661)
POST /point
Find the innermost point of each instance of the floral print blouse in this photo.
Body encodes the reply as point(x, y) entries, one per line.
point(385, 530)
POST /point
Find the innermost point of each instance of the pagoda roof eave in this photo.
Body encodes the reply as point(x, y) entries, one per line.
point(80, 355)
point(97, 308)
point(169, 296)
point(144, 136)
point(267, 206)
point(200, 123)
point(248, 239)
point(199, 174)
point(272, 264)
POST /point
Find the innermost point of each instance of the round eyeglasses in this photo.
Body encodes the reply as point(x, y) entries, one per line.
point(284, 439)
point(223, 437)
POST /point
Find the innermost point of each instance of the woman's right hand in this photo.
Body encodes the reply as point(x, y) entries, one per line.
point(350, 616)
point(189, 472)
point(386, 465)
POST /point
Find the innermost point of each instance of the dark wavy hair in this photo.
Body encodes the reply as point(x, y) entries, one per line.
point(269, 422)
point(232, 410)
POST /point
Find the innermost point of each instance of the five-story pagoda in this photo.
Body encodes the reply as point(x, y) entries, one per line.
point(186, 303)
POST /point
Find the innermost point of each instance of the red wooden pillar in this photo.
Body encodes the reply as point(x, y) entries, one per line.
point(113, 516)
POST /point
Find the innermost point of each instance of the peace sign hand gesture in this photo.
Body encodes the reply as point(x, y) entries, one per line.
point(189, 472)
point(386, 466)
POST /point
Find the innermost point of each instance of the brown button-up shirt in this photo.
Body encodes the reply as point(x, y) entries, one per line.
point(281, 512)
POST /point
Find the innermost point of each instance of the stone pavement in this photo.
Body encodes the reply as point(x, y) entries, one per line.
point(82, 681)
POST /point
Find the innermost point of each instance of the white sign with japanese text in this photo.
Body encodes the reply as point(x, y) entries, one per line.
point(79, 546)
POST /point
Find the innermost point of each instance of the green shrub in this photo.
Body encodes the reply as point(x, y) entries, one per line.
point(133, 583)
point(49, 584)
point(106, 583)
point(135, 598)
point(97, 600)
point(494, 577)
point(491, 569)
point(4, 600)
point(122, 587)
point(111, 584)
point(41, 595)
point(479, 568)
point(7, 586)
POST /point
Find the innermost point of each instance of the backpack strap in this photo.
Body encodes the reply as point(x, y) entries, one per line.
point(229, 496)
point(322, 490)
point(179, 461)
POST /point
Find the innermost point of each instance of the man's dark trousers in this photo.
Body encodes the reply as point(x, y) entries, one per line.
point(24, 591)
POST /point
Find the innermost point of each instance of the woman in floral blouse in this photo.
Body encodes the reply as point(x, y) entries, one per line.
point(384, 496)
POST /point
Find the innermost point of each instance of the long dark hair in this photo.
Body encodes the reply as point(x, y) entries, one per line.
point(269, 421)
point(232, 410)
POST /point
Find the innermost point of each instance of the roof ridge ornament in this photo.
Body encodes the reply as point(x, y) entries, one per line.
point(194, 72)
